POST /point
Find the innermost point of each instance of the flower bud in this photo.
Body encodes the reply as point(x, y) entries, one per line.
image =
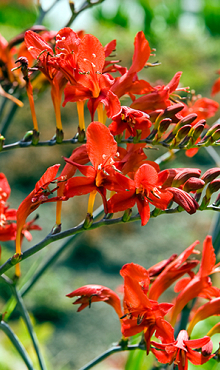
point(212, 187)
point(27, 137)
point(193, 183)
point(210, 174)
point(185, 121)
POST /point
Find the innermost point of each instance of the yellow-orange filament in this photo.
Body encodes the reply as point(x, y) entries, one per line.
point(80, 110)
point(101, 113)
point(31, 102)
point(91, 202)
point(56, 104)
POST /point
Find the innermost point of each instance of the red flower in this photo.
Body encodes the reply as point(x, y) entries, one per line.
point(90, 82)
point(143, 314)
point(128, 82)
point(131, 120)
point(159, 98)
point(146, 187)
point(7, 227)
point(40, 50)
point(199, 285)
point(181, 350)
point(96, 293)
point(173, 271)
point(101, 149)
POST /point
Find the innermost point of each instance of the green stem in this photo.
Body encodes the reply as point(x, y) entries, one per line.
point(54, 257)
point(6, 122)
point(15, 341)
point(27, 321)
point(110, 351)
point(78, 230)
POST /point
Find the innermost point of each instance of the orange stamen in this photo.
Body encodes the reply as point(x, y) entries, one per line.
point(80, 110)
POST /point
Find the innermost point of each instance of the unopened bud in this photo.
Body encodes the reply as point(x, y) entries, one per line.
point(197, 130)
point(210, 174)
point(193, 184)
point(212, 187)
point(216, 135)
point(27, 137)
point(164, 124)
point(184, 121)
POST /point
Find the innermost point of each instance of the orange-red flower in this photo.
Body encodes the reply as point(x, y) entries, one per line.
point(146, 187)
point(199, 285)
point(96, 293)
point(101, 149)
point(7, 216)
point(181, 350)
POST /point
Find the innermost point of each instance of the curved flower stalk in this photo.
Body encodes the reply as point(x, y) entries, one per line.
point(39, 195)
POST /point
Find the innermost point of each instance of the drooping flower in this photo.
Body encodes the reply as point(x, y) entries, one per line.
point(39, 195)
point(96, 293)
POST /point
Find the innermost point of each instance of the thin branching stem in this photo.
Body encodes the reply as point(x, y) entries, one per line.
point(17, 344)
point(50, 238)
point(51, 260)
point(74, 140)
point(26, 318)
point(86, 5)
point(110, 351)
point(43, 12)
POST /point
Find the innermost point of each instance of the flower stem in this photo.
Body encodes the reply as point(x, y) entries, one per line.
point(27, 321)
point(15, 341)
point(110, 351)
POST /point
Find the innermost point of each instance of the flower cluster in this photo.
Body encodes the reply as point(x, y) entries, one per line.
point(142, 313)
point(79, 65)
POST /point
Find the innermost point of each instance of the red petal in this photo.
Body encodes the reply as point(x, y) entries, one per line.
point(101, 145)
point(208, 257)
point(121, 201)
point(79, 186)
point(36, 44)
point(91, 55)
point(141, 52)
point(47, 177)
point(5, 189)
point(143, 209)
